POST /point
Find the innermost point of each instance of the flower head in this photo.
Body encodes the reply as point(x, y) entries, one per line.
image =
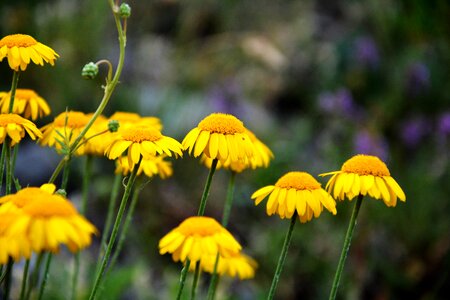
point(364, 175)
point(26, 103)
point(15, 127)
point(21, 49)
point(197, 237)
point(220, 136)
point(151, 166)
point(142, 142)
point(239, 265)
point(295, 192)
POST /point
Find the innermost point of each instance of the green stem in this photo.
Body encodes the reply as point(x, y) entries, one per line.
point(115, 230)
point(183, 276)
point(214, 280)
point(282, 259)
point(201, 209)
point(15, 81)
point(195, 280)
point(2, 164)
point(35, 275)
point(9, 171)
point(109, 216)
point(345, 248)
point(65, 177)
point(126, 224)
point(8, 278)
point(24, 279)
point(46, 272)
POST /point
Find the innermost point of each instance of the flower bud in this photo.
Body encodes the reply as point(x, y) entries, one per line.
point(61, 192)
point(124, 10)
point(113, 125)
point(89, 71)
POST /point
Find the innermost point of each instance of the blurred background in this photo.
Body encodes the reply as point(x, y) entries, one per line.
point(317, 81)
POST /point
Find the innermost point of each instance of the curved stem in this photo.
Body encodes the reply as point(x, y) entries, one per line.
point(282, 259)
point(201, 209)
point(46, 272)
point(114, 232)
point(195, 280)
point(345, 248)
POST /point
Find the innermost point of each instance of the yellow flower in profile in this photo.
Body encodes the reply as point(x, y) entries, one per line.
point(15, 246)
point(15, 126)
point(295, 192)
point(26, 103)
point(220, 136)
point(198, 237)
point(142, 142)
point(154, 165)
point(364, 175)
point(21, 49)
point(239, 265)
point(65, 128)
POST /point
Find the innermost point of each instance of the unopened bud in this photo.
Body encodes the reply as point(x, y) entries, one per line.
point(124, 10)
point(61, 192)
point(113, 125)
point(90, 71)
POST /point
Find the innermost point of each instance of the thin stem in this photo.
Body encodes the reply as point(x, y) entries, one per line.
point(9, 171)
point(46, 272)
point(346, 247)
point(109, 216)
point(24, 279)
point(15, 81)
point(201, 209)
point(8, 278)
point(183, 276)
point(65, 177)
point(195, 280)
point(2, 164)
point(115, 230)
point(282, 259)
point(214, 280)
point(35, 275)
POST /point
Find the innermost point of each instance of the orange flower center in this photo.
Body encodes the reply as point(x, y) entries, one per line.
point(138, 135)
point(125, 117)
point(25, 94)
point(365, 165)
point(74, 119)
point(51, 206)
point(222, 123)
point(203, 226)
point(17, 40)
point(298, 181)
point(6, 119)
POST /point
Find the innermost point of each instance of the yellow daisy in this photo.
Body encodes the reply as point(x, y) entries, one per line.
point(142, 142)
point(198, 237)
point(364, 175)
point(220, 136)
point(15, 126)
point(295, 192)
point(64, 128)
point(15, 246)
point(154, 165)
point(239, 265)
point(21, 49)
point(26, 103)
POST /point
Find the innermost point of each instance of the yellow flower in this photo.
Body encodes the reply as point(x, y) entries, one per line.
point(238, 264)
point(26, 103)
point(15, 127)
point(143, 142)
point(197, 237)
point(64, 128)
point(295, 192)
point(127, 119)
point(48, 220)
point(154, 165)
point(15, 246)
point(21, 49)
point(364, 175)
point(220, 136)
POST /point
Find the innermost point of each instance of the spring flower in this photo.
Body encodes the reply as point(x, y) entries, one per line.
point(15, 246)
point(295, 192)
point(47, 220)
point(142, 141)
point(15, 126)
point(26, 103)
point(239, 265)
point(21, 49)
point(64, 129)
point(365, 175)
point(197, 237)
point(220, 136)
point(154, 165)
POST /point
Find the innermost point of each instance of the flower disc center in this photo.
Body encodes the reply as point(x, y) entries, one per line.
point(6, 119)
point(138, 135)
point(74, 119)
point(298, 181)
point(221, 123)
point(203, 226)
point(365, 165)
point(17, 40)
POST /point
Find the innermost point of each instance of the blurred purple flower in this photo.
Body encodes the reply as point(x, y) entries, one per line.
point(365, 142)
point(444, 123)
point(414, 130)
point(225, 97)
point(340, 102)
point(366, 52)
point(418, 78)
